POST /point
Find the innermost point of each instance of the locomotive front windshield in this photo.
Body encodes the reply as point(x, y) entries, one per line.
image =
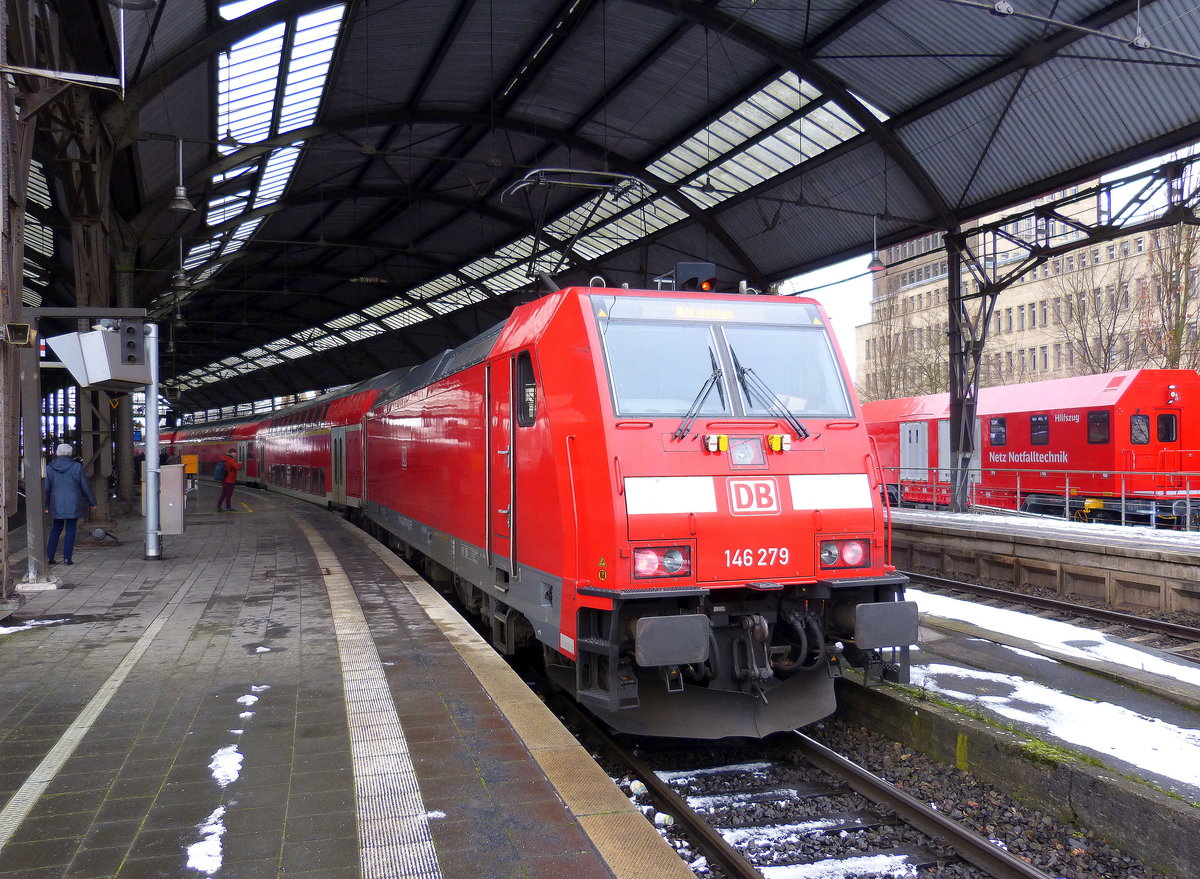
point(669, 356)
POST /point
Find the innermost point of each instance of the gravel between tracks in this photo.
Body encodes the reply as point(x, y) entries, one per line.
point(1059, 850)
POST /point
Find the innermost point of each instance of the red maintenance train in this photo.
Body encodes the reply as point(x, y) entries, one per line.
point(1118, 447)
point(671, 495)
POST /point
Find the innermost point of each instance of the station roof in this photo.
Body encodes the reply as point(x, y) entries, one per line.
point(377, 181)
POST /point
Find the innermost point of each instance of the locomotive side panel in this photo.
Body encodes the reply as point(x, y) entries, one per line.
point(426, 468)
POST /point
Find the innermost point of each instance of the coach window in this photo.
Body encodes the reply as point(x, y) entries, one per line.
point(998, 431)
point(1097, 427)
point(526, 390)
point(1139, 430)
point(1168, 428)
point(1039, 430)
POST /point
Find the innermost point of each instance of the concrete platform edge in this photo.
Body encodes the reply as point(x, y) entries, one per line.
point(627, 842)
point(1152, 826)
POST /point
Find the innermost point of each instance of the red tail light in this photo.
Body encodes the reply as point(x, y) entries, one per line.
point(662, 561)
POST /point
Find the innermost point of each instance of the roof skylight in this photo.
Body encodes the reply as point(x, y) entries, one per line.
point(785, 124)
point(268, 84)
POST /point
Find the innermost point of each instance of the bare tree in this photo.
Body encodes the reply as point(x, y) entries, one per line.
point(1171, 305)
point(929, 369)
point(906, 352)
point(889, 343)
point(1096, 318)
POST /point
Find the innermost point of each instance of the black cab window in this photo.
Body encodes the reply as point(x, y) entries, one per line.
point(998, 431)
point(1139, 430)
point(1039, 430)
point(526, 390)
point(1097, 427)
point(1168, 428)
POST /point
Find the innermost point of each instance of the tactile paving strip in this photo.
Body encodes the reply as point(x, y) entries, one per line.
point(393, 827)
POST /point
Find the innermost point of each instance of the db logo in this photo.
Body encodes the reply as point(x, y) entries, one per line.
point(748, 497)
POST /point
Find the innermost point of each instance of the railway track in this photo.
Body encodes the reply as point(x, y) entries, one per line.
point(1180, 640)
point(800, 811)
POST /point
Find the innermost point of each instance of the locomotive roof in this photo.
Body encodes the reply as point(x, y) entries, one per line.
point(1076, 392)
point(354, 164)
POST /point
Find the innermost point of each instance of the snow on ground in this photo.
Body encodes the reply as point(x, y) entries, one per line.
point(1053, 527)
point(205, 855)
point(1148, 743)
point(30, 624)
point(1057, 638)
point(226, 765)
point(893, 866)
point(782, 834)
point(689, 774)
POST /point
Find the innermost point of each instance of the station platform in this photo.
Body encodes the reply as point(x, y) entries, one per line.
point(280, 695)
point(1134, 568)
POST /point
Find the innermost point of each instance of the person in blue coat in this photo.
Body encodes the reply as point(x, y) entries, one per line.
point(66, 490)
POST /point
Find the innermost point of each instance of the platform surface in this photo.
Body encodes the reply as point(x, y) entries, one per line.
point(282, 696)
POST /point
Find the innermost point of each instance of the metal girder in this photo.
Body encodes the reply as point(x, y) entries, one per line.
point(1033, 232)
point(803, 63)
point(122, 116)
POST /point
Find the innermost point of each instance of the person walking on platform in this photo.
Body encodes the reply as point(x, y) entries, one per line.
point(66, 489)
point(227, 479)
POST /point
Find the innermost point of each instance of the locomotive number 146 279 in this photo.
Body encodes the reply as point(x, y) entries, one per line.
point(761, 557)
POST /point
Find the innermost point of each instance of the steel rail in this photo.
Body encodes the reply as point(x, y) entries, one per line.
point(1161, 627)
point(969, 845)
point(705, 837)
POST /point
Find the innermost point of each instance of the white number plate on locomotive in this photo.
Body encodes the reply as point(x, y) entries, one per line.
point(762, 557)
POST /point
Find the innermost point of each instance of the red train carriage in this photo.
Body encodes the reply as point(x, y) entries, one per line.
point(1113, 447)
point(313, 450)
point(209, 442)
point(673, 495)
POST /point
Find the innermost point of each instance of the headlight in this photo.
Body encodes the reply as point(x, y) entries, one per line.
point(829, 554)
point(662, 561)
point(845, 553)
point(853, 553)
point(672, 561)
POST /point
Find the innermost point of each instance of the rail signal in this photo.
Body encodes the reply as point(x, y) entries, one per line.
point(697, 276)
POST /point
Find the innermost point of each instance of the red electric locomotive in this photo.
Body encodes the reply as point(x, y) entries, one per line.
point(673, 494)
point(1117, 447)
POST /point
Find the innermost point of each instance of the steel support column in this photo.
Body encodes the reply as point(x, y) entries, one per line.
point(967, 331)
point(16, 150)
point(124, 412)
point(89, 243)
point(31, 415)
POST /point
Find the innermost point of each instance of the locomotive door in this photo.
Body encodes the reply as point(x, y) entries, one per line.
point(337, 440)
point(500, 478)
point(1166, 434)
point(914, 450)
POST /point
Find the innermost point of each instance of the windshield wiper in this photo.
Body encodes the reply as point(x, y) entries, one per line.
point(689, 417)
point(751, 383)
